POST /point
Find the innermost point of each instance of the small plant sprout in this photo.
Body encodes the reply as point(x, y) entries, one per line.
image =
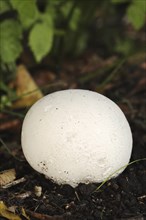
point(76, 136)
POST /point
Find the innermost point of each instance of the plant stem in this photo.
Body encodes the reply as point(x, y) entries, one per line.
point(111, 76)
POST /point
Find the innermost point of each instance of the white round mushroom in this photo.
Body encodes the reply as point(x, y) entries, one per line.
point(76, 136)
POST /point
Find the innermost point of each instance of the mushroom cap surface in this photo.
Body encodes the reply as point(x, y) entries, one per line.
point(76, 136)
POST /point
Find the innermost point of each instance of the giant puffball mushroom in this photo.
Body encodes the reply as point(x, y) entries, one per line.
point(76, 136)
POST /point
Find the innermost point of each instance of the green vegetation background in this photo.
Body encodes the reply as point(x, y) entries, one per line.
point(59, 28)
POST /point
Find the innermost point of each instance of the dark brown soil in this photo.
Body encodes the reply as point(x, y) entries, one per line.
point(120, 198)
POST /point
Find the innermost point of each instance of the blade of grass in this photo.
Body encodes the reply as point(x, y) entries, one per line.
point(8, 150)
point(48, 86)
point(112, 75)
point(109, 177)
point(59, 83)
point(92, 75)
point(13, 113)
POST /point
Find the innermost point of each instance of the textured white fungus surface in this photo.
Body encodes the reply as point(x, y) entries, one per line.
point(76, 136)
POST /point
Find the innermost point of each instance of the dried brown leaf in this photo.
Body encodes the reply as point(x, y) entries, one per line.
point(26, 88)
point(7, 176)
point(6, 213)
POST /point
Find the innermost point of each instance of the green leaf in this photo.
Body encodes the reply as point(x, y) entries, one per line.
point(46, 18)
point(119, 1)
point(10, 45)
point(4, 6)
point(140, 4)
point(124, 46)
point(41, 40)
point(51, 11)
point(27, 11)
point(54, 3)
point(74, 21)
point(66, 8)
point(81, 42)
point(136, 14)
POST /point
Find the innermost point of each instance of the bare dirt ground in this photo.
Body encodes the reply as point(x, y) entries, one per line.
point(120, 198)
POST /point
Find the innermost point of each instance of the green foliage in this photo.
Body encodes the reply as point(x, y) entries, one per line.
point(81, 42)
point(27, 11)
point(10, 46)
point(5, 102)
point(124, 46)
point(57, 26)
point(74, 21)
point(41, 43)
point(66, 8)
point(4, 6)
point(6, 99)
point(47, 18)
point(136, 13)
point(119, 1)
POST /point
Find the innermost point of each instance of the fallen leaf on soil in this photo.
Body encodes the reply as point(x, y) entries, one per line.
point(9, 212)
point(7, 176)
point(24, 214)
point(5, 212)
point(26, 88)
point(14, 183)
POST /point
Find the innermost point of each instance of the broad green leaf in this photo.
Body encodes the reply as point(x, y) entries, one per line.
point(41, 40)
point(4, 6)
point(51, 10)
point(27, 11)
point(136, 14)
point(46, 18)
point(10, 45)
point(141, 4)
point(74, 21)
point(54, 3)
point(66, 8)
point(119, 1)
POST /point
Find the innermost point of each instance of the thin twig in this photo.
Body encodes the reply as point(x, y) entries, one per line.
point(24, 195)
point(21, 180)
point(8, 150)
